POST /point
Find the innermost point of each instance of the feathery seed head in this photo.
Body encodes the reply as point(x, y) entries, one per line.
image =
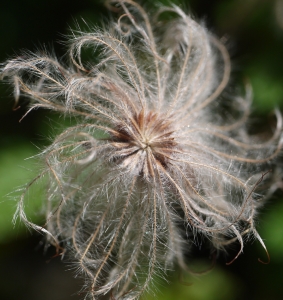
point(153, 159)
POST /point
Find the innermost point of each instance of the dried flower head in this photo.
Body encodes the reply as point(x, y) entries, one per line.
point(159, 154)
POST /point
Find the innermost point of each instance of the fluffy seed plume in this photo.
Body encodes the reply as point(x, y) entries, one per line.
point(160, 152)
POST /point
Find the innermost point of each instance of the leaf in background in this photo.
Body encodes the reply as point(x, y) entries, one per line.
point(272, 230)
point(16, 171)
point(216, 284)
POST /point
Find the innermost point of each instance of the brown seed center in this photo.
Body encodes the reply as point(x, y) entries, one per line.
point(144, 141)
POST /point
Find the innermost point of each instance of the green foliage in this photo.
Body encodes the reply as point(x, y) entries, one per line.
point(272, 229)
point(214, 285)
point(16, 171)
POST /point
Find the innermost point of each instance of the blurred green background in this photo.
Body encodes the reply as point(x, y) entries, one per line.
point(254, 33)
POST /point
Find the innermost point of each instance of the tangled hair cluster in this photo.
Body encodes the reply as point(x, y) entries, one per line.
point(160, 152)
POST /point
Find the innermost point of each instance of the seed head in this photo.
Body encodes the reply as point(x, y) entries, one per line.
point(160, 155)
